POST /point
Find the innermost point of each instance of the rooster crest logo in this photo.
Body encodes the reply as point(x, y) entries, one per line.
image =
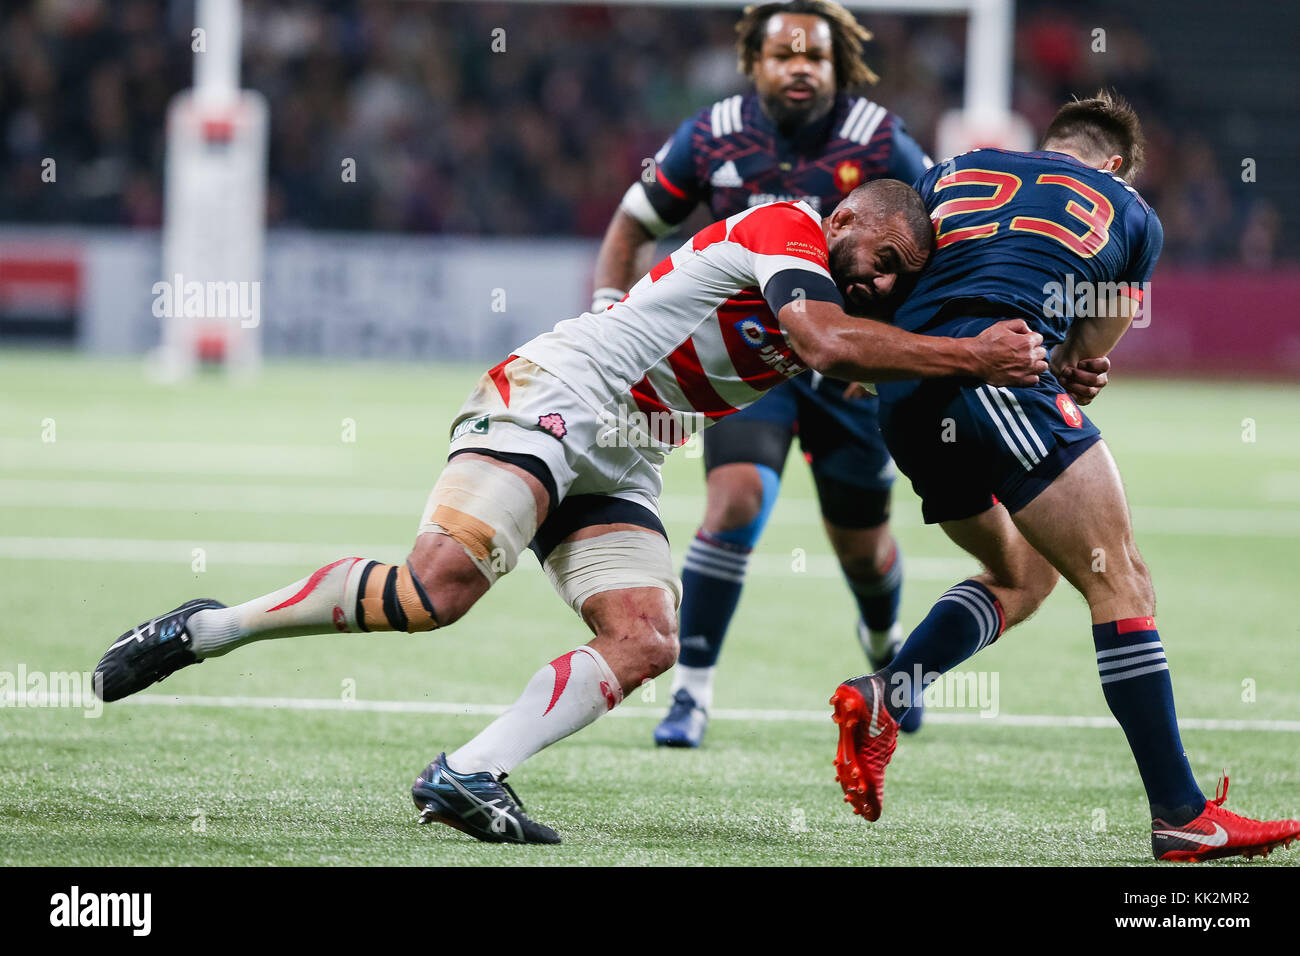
point(848, 175)
point(553, 422)
point(1069, 411)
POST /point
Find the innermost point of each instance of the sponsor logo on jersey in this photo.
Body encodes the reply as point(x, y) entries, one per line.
point(848, 175)
point(726, 176)
point(762, 199)
point(470, 426)
point(553, 423)
point(751, 332)
point(1069, 411)
point(780, 361)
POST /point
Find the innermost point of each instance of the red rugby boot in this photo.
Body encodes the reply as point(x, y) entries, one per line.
point(1218, 832)
point(868, 735)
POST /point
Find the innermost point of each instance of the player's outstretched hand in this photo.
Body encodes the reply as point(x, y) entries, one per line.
point(1010, 353)
point(1084, 379)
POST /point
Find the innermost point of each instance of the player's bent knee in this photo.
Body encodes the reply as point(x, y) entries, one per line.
point(447, 576)
point(659, 637)
point(637, 627)
point(733, 511)
point(1030, 597)
point(865, 554)
point(736, 497)
point(661, 651)
point(1040, 585)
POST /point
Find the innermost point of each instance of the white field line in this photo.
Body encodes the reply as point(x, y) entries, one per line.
point(932, 715)
point(401, 502)
point(192, 457)
point(303, 556)
point(147, 551)
point(295, 499)
point(337, 500)
point(198, 499)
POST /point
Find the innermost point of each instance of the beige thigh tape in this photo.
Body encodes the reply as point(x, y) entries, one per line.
point(489, 511)
point(620, 559)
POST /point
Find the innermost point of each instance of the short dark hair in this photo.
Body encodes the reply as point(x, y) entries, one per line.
point(847, 37)
point(1105, 125)
point(893, 197)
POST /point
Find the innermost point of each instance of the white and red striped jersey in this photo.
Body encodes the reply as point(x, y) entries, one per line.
point(697, 338)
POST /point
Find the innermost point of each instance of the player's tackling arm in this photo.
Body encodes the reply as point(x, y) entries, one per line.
point(836, 344)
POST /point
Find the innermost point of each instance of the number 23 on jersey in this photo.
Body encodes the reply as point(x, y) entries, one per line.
point(1081, 202)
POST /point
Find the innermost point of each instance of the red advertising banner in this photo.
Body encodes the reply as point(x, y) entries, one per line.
point(1217, 322)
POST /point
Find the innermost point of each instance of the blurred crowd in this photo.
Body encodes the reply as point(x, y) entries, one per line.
point(509, 118)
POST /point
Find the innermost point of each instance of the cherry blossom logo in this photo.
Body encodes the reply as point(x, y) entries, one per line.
point(553, 422)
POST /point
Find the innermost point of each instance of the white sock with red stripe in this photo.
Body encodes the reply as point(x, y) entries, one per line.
point(564, 696)
point(323, 602)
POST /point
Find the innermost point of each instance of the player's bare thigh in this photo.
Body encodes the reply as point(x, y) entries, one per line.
point(635, 628)
point(1019, 577)
point(448, 576)
point(1081, 524)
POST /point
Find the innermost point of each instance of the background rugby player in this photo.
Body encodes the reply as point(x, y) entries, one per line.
point(799, 135)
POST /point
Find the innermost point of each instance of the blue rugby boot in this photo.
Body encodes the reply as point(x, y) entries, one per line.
point(684, 726)
point(476, 803)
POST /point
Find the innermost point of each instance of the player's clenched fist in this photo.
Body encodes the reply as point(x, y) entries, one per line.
point(1010, 353)
point(1083, 379)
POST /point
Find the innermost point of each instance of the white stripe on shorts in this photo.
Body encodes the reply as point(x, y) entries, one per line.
point(1002, 429)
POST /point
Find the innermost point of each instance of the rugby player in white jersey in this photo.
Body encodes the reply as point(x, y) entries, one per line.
point(559, 448)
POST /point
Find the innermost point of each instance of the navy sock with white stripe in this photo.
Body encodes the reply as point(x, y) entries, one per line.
point(965, 619)
point(712, 577)
point(878, 598)
point(1135, 679)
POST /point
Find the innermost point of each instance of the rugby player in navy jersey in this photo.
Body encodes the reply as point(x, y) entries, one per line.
point(798, 136)
point(1019, 477)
